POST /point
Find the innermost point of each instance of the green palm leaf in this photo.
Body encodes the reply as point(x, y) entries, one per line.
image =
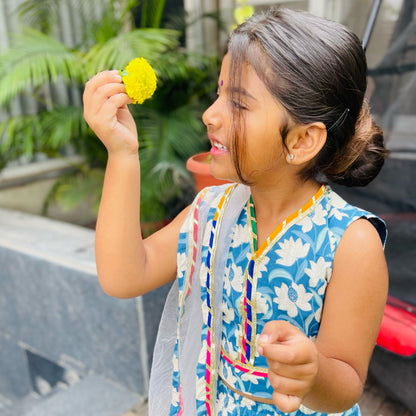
point(166, 141)
point(36, 59)
point(47, 131)
point(61, 125)
point(77, 186)
point(177, 134)
point(152, 13)
point(20, 134)
point(119, 51)
point(40, 14)
point(184, 64)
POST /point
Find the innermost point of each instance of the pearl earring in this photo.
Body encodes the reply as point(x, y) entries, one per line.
point(291, 157)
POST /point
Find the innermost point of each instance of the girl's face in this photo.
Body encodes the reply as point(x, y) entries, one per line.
point(263, 118)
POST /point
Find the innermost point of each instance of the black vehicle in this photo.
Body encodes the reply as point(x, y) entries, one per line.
point(392, 196)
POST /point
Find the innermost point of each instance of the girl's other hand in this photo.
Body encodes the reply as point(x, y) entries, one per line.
point(293, 363)
point(106, 112)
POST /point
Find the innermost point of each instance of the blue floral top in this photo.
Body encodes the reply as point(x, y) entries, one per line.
point(283, 279)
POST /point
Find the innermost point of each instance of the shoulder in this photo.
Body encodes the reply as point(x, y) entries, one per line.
point(361, 235)
point(343, 217)
point(359, 261)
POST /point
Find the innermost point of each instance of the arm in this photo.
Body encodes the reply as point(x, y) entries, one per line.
point(329, 375)
point(127, 265)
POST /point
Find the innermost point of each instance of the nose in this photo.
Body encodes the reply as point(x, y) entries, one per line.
point(212, 114)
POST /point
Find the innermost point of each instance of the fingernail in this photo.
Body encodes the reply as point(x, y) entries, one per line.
point(116, 74)
point(263, 338)
point(260, 350)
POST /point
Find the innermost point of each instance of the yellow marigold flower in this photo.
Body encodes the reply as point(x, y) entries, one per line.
point(242, 13)
point(139, 79)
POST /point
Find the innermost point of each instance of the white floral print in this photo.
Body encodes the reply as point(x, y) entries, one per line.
point(336, 205)
point(181, 262)
point(318, 314)
point(291, 250)
point(318, 218)
point(306, 224)
point(175, 397)
point(237, 279)
point(262, 305)
point(241, 235)
point(318, 271)
point(333, 240)
point(262, 266)
point(292, 298)
point(221, 402)
point(319, 215)
point(227, 313)
point(250, 377)
point(248, 403)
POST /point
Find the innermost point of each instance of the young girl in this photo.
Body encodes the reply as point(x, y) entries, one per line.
point(280, 285)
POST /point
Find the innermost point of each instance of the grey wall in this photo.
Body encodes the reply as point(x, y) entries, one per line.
point(57, 327)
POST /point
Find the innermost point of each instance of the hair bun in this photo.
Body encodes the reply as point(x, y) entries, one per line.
point(364, 155)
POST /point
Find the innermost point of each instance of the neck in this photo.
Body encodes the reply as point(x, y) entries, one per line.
point(275, 203)
point(274, 199)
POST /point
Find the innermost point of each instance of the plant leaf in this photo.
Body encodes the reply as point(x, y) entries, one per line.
point(33, 60)
point(120, 50)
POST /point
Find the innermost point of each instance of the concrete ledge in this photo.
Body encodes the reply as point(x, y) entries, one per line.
point(26, 187)
point(54, 311)
point(32, 172)
point(93, 396)
point(53, 241)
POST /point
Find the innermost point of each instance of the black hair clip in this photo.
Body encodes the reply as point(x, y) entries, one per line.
point(340, 121)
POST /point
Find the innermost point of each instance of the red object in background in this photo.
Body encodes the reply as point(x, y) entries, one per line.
point(398, 329)
point(199, 166)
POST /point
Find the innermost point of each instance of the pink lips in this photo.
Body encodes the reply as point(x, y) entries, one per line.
point(218, 150)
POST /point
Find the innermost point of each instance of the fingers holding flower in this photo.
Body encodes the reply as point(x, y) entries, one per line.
point(106, 112)
point(106, 97)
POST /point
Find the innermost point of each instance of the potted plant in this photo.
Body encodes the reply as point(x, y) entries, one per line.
point(198, 165)
point(169, 124)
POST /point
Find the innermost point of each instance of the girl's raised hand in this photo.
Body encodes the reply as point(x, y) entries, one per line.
point(293, 363)
point(106, 112)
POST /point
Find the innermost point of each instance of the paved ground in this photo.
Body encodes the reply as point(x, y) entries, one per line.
point(374, 402)
point(139, 410)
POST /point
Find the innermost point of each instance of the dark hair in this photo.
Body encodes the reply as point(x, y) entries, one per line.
point(316, 69)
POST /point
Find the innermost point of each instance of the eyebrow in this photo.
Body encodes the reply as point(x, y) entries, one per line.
point(239, 91)
point(244, 92)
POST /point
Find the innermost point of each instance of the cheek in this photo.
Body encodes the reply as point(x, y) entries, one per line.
point(265, 138)
point(263, 155)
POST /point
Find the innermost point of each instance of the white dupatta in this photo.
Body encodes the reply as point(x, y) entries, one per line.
point(160, 389)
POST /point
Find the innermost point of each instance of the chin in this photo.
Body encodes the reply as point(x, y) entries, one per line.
point(222, 172)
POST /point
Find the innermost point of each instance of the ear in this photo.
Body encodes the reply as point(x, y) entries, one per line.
point(304, 142)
